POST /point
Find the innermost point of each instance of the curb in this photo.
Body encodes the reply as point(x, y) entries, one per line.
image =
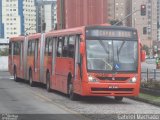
point(150, 91)
point(145, 101)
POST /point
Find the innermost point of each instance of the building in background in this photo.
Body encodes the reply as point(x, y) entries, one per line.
point(73, 13)
point(158, 21)
point(46, 12)
point(146, 25)
point(18, 17)
point(118, 10)
point(1, 23)
point(29, 13)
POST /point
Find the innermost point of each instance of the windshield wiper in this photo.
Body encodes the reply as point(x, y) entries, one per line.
point(119, 51)
point(103, 46)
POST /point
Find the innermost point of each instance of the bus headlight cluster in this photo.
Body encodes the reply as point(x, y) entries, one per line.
point(92, 79)
point(133, 80)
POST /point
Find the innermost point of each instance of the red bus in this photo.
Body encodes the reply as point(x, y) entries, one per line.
point(86, 61)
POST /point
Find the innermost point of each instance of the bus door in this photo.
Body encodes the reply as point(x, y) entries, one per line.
point(25, 57)
point(17, 56)
point(21, 59)
point(60, 65)
point(11, 56)
point(77, 78)
point(53, 81)
point(41, 60)
point(36, 68)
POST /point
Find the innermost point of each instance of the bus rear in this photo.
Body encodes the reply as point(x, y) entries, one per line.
point(110, 62)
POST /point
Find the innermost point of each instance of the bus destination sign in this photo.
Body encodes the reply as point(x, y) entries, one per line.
point(111, 33)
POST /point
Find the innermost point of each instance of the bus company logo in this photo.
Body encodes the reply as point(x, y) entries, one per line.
point(113, 78)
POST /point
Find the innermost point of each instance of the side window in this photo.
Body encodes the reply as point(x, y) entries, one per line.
point(50, 42)
point(36, 47)
point(59, 46)
point(16, 50)
point(29, 47)
point(71, 46)
point(46, 46)
point(33, 47)
point(65, 47)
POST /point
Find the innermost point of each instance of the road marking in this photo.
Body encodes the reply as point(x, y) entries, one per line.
point(60, 106)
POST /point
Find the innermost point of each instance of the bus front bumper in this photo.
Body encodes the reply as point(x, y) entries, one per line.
point(110, 89)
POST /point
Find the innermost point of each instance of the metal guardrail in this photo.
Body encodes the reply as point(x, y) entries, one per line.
point(150, 74)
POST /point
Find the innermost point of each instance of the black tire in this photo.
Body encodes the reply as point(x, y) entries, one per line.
point(73, 96)
point(118, 98)
point(48, 82)
point(31, 83)
point(15, 75)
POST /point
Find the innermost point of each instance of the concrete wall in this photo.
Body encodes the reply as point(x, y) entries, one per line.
point(3, 63)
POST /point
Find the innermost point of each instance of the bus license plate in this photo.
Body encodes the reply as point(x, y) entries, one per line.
point(113, 86)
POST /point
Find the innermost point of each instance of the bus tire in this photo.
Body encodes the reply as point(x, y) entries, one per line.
point(72, 95)
point(31, 83)
point(15, 75)
point(48, 82)
point(118, 98)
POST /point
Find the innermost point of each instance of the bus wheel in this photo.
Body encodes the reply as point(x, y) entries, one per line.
point(15, 75)
point(118, 98)
point(48, 84)
point(31, 83)
point(72, 95)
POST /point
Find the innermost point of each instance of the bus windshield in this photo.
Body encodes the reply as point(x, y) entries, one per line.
point(112, 55)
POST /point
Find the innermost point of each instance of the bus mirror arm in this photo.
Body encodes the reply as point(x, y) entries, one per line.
point(143, 55)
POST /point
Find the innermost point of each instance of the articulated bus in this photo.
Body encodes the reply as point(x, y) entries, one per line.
point(84, 61)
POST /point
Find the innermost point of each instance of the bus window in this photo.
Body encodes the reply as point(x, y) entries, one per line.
point(33, 47)
point(46, 46)
point(71, 46)
point(50, 47)
point(59, 46)
point(65, 47)
point(29, 48)
point(16, 50)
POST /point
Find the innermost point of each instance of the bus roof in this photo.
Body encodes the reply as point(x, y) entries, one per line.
point(34, 36)
point(77, 30)
point(17, 38)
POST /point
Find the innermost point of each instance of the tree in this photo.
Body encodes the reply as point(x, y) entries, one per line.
point(4, 52)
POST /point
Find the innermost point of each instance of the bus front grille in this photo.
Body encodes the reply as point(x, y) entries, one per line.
point(114, 78)
point(112, 89)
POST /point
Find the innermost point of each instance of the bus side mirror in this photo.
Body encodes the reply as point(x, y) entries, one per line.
point(143, 55)
point(82, 48)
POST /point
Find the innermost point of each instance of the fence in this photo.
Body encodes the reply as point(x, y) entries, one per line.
point(150, 74)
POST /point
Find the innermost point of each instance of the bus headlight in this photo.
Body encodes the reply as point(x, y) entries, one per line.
point(92, 79)
point(133, 80)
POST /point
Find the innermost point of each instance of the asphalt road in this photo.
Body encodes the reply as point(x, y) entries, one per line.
point(20, 98)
